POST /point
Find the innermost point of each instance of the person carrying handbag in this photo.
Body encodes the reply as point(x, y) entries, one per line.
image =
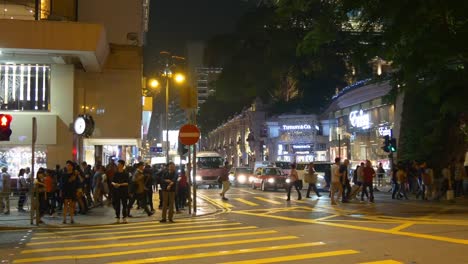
point(312, 180)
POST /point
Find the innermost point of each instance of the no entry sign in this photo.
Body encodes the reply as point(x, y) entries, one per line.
point(189, 134)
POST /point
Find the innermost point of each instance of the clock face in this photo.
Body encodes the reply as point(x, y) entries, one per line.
point(79, 125)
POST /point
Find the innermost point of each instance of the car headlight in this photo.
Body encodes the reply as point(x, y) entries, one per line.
point(241, 179)
point(271, 180)
point(198, 178)
point(288, 180)
point(251, 178)
point(231, 178)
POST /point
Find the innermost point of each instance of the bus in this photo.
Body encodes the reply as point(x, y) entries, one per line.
point(210, 166)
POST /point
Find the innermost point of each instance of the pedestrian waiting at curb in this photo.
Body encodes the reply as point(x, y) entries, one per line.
point(120, 191)
point(168, 187)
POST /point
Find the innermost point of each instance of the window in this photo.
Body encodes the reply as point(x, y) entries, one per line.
point(24, 87)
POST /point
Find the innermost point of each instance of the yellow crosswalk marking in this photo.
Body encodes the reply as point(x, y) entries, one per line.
point(295, 257)
point(219, 253)
point(246, 202)
point(143, 230)
point(383, 262)
point(122, 227)
point(150, 242)
point(117, 226)
point(267, 200)
point(159, 249)
point(402, 226)
point(58, 241)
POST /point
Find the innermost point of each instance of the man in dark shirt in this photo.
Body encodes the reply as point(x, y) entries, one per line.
point(120, 191)
point(168, 187)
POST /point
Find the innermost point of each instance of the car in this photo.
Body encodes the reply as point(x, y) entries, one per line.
point(323, 170)
point(240, 175)
point(269, 178)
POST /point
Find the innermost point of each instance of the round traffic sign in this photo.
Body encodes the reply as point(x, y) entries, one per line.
point(189, 134)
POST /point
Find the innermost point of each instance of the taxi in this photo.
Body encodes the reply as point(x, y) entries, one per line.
point(269, 178)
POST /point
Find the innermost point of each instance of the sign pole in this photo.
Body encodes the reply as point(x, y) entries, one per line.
point(194, 165)
point(34, 201)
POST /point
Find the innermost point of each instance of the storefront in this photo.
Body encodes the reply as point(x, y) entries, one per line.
point(295, 138)
point(359, 120)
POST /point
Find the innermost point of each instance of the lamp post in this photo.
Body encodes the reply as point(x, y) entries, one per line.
point(154, 83)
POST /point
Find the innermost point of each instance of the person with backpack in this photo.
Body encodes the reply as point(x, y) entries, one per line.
point(139, 194)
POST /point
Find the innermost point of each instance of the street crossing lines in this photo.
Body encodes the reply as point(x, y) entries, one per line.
point(160, 249)
point(246, 202)
point(140, 236)
point(234, 244)
point(267, 200)
point(383, 262)
point(151, 242)
point(220, 253)
point(85, 229)
point(295, 257)
point(161, 228)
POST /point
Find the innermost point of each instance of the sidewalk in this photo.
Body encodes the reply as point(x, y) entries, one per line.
point(96, 216)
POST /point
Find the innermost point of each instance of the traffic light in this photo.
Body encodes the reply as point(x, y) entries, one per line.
point(393, 145)
point(5, 131)
point(386, 146)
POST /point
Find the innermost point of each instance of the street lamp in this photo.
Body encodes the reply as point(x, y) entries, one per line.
point(154, 83)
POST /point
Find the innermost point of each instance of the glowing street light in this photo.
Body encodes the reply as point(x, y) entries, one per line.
point(153, 83)
point(179, 78)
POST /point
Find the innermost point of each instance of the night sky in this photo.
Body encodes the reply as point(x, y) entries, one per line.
point(175, 22)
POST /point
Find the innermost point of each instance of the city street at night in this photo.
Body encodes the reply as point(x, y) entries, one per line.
point(234, 131)
point(261, 227)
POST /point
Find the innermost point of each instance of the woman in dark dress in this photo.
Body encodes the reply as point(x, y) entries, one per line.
point(39, 187)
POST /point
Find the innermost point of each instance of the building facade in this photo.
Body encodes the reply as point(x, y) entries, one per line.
point(359, 118)
point(241, 140)
point(296, 138)
point(54, 70)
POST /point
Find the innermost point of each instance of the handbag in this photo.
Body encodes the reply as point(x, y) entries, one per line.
point(219, 179)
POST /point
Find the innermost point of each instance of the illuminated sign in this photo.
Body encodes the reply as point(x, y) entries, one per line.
point(385, 131)
point(297, 127)
point(301, 146)
point(359, 119)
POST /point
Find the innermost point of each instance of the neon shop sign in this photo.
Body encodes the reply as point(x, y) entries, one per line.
point(297, 127)
point(359, 119)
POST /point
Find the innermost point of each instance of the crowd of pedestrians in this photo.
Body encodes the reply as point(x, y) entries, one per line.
point(420, 179)
point(77, 188)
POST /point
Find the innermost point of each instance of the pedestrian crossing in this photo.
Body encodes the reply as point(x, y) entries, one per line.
point(198, 240)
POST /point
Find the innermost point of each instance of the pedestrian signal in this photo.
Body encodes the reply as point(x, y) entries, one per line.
point(5, 131)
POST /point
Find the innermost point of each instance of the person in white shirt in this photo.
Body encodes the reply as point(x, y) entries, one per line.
point(336, 184)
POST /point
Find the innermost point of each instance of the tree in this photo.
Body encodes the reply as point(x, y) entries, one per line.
point(426, 42)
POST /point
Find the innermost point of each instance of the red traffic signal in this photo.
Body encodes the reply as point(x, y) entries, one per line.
point(5, 131)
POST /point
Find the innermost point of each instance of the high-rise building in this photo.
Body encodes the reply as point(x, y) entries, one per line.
point(206, 82)
point(78, 59)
